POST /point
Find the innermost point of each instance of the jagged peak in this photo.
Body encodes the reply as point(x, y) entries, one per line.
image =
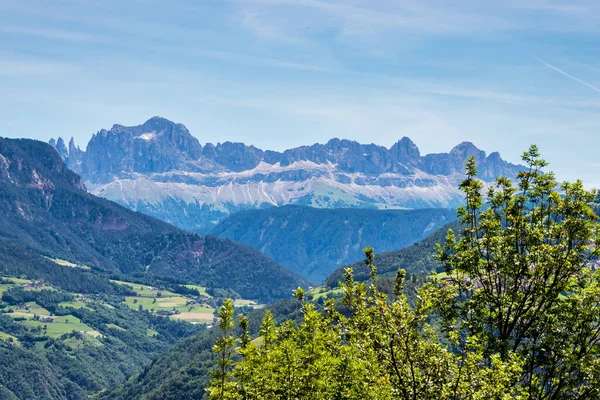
point(405, 143)
point(467, 149)
point(494, 156)
point(158, 118)
point(154, 123)
point(465, 144)
point(161, 122)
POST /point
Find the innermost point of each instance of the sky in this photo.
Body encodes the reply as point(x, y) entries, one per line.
point(284, 73)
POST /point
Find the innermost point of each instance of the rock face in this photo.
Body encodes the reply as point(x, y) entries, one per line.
point(159, 168)
point(73, 156)
point(156, 146)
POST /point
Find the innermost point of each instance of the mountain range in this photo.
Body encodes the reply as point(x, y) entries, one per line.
point(46, 212)
point(161, 169)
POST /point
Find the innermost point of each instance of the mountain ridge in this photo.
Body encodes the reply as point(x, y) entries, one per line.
point(161, 169)
point(47, 209)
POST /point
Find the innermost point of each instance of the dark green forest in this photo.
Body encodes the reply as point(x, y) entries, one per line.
point(314, 242)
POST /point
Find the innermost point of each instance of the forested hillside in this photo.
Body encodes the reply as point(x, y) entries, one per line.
point(68, 328)
point(417, 259)
point(183, 372)
point(47, 211)
point(58, 345)
point(314, 242)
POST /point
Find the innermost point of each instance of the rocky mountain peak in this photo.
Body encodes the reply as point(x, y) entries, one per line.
point(494, 157)
point(61, 148)
point(72, 156)
point(406, 152)
point(158, 145)
point(465, 150)
point(462, 152)
point(160, 124)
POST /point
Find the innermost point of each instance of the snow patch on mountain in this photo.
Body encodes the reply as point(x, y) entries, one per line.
point(147, 136)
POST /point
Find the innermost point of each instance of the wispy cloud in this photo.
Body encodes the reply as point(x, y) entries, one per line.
point(31, 67)
point(251, 59)
point(362, 20)
point(560, 71)
point(516, 99)
point(58, 34)
point(271, 19)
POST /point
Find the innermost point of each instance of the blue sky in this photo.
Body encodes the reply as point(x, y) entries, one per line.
point(283, 73)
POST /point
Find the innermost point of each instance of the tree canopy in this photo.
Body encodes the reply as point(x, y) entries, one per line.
point(515, 315)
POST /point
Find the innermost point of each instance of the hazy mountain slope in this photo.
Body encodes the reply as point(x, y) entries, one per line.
point(415, 259)
point(46, 208)
point(314, 242)
point(160, 169)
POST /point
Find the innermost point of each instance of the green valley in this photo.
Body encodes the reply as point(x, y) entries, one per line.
point(89, 340)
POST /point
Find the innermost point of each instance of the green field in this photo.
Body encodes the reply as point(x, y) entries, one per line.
point(66, 263)
point(191, 313)
point(117, 327)
point(62, 325)
point(189, 309)
point(5, 286)
point(30, 311)
point(200, 289)
point(75, 304)
point(77, 342)
point(145, 290)
point(321, 291)
point(6, 337)
point(242, 302)
point(29, 314)
point(148, 299)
